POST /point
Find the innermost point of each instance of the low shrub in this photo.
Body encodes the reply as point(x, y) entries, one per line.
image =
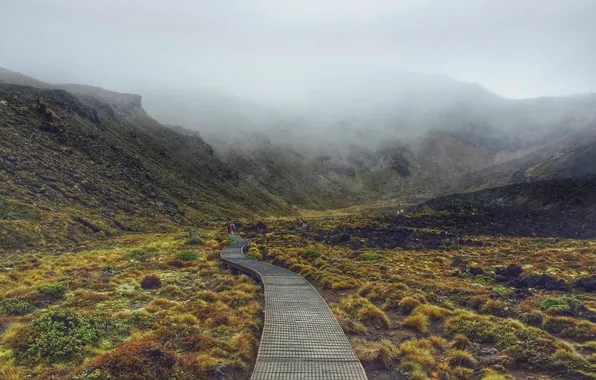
point(186, 255)
point(503, 292)
point(56, 290)
point(193, 241)
point(138, 255)
point(62, 334)
point(15, 306)
point(138, 360)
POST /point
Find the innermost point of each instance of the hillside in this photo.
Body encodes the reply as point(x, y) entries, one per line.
point(546, 208)
point(74, 167)
point(371, 138)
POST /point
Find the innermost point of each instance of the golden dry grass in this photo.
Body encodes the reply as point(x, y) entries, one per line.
point(195, 299)
point(421, 295)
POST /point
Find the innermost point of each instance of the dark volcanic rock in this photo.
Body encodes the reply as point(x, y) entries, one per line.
point(511, 271)
point(260, 226)
point(476, 271)
point(588, 284)
point(539, 281)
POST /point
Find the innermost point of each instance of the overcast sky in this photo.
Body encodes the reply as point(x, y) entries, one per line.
point(283, 48)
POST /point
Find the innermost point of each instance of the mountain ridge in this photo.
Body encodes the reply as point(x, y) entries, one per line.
point(482, 140)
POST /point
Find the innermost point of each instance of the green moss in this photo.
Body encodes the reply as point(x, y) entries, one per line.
point(370, 256)
point(554, 304)
point(313, 252)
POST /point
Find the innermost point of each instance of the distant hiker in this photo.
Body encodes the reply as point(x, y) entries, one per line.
point(229, 226)
point(232, 228)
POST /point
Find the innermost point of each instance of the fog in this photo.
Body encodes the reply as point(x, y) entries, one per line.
point(340, 71)
point(282, 51)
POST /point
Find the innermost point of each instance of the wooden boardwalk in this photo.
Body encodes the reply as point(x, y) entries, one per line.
point(301, 338)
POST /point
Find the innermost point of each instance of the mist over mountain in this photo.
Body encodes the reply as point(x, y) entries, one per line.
point(369, 136)
point(358, 139)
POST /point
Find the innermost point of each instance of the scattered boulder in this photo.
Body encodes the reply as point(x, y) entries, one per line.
point(511, 271)
point(150, 282)
point(475, 271)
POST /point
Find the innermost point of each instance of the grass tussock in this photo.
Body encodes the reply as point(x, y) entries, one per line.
point(434, 313)
point(371, 314)
point(107, 313)
point(417, 322)
point(383, 352)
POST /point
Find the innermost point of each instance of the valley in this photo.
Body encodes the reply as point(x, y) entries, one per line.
point(463, 251)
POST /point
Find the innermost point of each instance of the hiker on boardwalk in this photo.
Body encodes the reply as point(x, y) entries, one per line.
point(231, 228)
